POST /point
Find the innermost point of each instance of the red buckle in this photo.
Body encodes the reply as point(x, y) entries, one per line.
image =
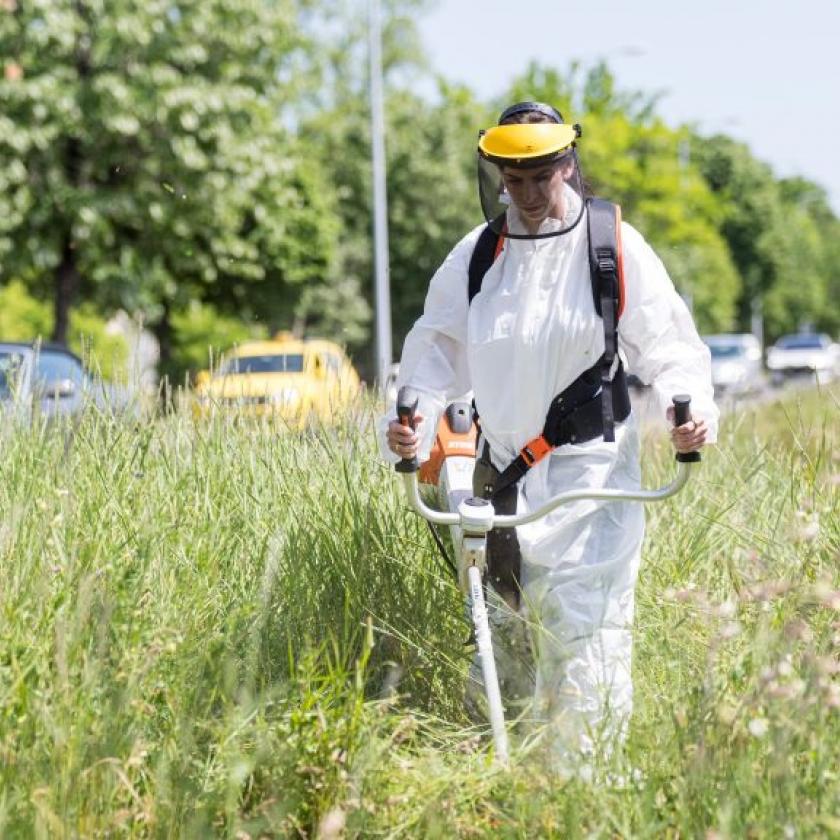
point(535, 450)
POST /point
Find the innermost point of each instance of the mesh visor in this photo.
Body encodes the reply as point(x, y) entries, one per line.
point(535, 201)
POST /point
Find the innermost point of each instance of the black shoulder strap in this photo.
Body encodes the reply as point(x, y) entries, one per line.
point(481, 260)
point(601, 220)
point(603, 245)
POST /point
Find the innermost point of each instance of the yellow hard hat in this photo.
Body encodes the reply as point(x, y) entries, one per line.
point(527, 144)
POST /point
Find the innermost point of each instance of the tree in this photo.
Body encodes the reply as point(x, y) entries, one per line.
point(144, 161)
point(782, 235)
point(432, 198)
point(750, 214)
point(811, 261)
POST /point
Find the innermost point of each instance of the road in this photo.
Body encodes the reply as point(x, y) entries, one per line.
point(643, 403)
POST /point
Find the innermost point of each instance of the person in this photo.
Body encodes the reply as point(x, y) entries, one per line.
point(530, 333)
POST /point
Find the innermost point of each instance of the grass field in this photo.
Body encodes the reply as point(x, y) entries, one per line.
point(213, 630)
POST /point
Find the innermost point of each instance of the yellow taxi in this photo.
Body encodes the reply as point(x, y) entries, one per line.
point(286, 378)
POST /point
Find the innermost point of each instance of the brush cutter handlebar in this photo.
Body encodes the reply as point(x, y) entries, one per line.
point(476, 516)
point(406, 410)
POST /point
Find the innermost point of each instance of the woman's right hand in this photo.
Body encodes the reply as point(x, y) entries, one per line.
point(403, 440)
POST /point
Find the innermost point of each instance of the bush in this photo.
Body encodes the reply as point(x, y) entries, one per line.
point(23, 318)
point(202, 334)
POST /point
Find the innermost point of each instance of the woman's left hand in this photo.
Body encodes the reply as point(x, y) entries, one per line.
point(690, 437)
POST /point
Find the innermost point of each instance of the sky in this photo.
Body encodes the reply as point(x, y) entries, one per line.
point(766, 73)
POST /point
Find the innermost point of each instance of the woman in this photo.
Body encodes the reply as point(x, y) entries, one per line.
point(529, 335)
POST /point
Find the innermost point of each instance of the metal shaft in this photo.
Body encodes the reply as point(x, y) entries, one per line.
point(380, 200)
point(683, 471)
point(488, 664)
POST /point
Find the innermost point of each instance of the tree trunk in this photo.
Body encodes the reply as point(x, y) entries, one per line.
point(67, 280)
point(163, 333)
point(66, 288)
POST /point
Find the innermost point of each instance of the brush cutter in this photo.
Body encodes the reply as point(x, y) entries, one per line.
point(471, 519)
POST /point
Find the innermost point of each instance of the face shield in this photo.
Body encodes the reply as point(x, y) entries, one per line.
point(529, 179)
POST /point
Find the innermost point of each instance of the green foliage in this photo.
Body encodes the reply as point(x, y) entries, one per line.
point(103, 351)
point(808, 291)
point(211, 629)
point(431, 187)
point(782, 236)
point(202, 334)
point(752, 215)
point(23, 318)
point(142, 147)
point(430, 169)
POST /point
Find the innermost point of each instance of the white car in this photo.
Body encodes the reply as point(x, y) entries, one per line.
point(736, 363)
point(813, 354)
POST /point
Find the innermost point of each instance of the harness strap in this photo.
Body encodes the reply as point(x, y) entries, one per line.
point(487, 249)
point(575, 416)
point(608, 361)
point(604, 229)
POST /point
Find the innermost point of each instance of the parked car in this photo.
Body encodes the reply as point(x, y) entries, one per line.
point(286, 378)
point(811, 354)
point(49, 380)
point(736, 363)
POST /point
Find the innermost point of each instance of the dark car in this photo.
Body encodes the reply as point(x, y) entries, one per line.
point(50, 380)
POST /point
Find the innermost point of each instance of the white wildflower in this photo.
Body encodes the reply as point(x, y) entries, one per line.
point(332, 825)
point(725, 610)
point(730, 630)
point(758, 727)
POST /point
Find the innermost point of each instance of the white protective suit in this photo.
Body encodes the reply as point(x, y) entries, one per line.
point(529, 333)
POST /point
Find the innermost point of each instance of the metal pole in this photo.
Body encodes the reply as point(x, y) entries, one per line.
point(484, 643)
point(380, 199)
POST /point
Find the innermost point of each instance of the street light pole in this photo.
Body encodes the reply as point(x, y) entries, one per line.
point(380, 199)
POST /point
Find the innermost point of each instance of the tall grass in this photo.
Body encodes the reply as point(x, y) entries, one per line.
point(216, 628)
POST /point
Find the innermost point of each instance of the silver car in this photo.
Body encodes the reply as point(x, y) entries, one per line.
point(51, 381)
point(736, 363)
point(804, 354)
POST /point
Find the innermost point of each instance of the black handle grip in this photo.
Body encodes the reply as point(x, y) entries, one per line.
point(682, 409)
point(407, 400)
point(682, 414)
